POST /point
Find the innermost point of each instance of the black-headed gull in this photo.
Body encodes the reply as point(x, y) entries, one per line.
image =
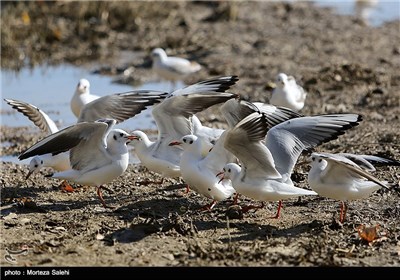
point(267, 167)
point(173, 117)
point(345, 176)
point(288, 93)
point(98, 153)
point(81, 97)
point(199, 171)
point(172, 68)
point(119, 106)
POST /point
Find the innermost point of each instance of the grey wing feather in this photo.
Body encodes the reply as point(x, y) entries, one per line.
point(120, 106)
point(244, 141)
point(64, 139)
point(34, 114)
point(287, 140)
point(349, 164)
point(235, 110)
point(219, 84)
point(368, 162)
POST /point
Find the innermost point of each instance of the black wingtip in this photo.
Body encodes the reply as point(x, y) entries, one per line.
point(49, 175)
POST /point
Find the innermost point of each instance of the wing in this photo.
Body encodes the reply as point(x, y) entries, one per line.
point(218, 156)
point(338, 161)
point(287, 140)
point(244, 141)
point(120, 106)
point(37, 116)
point(235, 110)
point(368, 162)
point(220, 84)
point(173, 114)
point(66, 139)
point(91, 152)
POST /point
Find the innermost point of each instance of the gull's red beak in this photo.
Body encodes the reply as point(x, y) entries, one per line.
point(132, 137)
point(174, 143)
point(219, 174)
point(29, 174)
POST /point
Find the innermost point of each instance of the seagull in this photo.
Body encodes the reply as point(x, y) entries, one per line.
point(81, 97)
point(269, 154)
point(199, 171)
point(345, 176)
point(173, 117)
point(288, 93)
point(119, 106)
point(98, 153)
point(172, 68)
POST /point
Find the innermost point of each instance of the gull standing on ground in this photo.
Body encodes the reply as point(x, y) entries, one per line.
point(120, 107)
point(98, 153)
point(345, 176)
point(172, 68)
point(267, 167)
point(81, 97)
point(288, 93)
point(173, 117)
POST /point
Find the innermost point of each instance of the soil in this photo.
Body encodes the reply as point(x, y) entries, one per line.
point(344, 64)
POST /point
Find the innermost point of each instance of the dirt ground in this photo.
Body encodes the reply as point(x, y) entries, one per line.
point(344, 64)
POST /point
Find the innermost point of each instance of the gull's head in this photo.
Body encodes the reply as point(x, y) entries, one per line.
point(120, 136)
point(281, 79)
point(137, 137)
point(229, 171)
point(316, 161)
point(186, 142)
point(35, 165)
point(83, 86)
point(158, 54)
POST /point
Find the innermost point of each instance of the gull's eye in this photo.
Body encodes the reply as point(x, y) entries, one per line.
point(191, 142)
point(184, 140)
point(229, 170)
point(41, 161)
point(121, 134)
point(313, 158)
point(209, 189)
point(320, 160)
point(115, 137)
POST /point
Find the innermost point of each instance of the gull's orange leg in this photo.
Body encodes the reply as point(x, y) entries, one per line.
point(279, 210)
point(343, 211)
point(100, 195)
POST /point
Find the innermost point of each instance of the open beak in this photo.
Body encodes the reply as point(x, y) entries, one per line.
point(174, 143)
point(29, 174)
point(219, 174)
point(131, 137)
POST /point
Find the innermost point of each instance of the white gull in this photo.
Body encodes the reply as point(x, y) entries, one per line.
point(345, 176)
point(98, 153)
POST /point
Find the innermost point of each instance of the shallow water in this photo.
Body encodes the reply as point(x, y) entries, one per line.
point(374, 12)
point(51, 89)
